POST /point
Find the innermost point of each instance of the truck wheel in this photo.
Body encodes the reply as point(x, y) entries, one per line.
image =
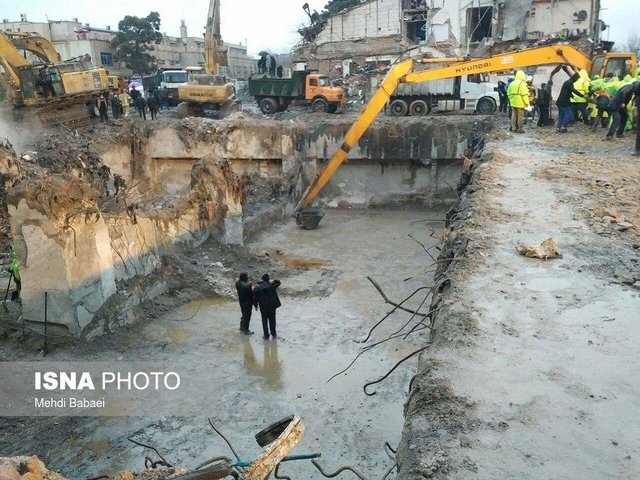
point(399, 108)
point(268, 106)
point(485, 106)
point(320, 105)
point(418, 108)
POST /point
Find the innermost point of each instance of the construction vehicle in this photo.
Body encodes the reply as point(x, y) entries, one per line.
point(168, 79)
point(73, 84)
point(208, 91)
point(303, 88)
point(471, 93)
point(404, 72)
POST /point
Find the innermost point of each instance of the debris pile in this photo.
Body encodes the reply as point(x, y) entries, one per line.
point(26, 468)
point(546, 250)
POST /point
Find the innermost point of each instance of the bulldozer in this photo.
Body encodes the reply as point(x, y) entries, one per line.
point(72, 84)
point(209, 90)
point(407, 71)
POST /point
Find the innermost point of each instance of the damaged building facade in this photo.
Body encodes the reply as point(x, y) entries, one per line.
point(374, 33)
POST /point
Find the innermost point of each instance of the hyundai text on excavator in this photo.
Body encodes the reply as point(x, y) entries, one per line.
point(74, 83)
point(208, 91)
point(405, 72)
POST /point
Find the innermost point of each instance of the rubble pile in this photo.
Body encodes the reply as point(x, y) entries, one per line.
point(26, 468)
point(32, 468)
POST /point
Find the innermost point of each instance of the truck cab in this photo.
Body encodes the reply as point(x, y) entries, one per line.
point(479, 95)
point(321, 95)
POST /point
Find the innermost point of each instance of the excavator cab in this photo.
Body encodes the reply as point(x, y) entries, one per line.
point(30, 82)
point(618, 64)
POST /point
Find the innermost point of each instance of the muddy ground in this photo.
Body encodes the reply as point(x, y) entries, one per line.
point(533, 373)
point(328, 303)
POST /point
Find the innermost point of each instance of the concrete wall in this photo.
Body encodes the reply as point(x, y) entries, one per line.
point(552, 17)
point(375, 18)
point(201, 170)
point(77, 255)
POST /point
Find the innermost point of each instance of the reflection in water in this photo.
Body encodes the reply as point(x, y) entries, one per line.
point(271, 368)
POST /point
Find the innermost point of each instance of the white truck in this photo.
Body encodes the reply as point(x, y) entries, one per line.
point(470, 93)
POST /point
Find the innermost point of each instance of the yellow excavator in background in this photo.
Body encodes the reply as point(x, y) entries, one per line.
point(73, 83)
point(619, 64)
point(210, 90)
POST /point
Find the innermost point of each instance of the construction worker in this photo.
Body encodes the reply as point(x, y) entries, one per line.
point(618, 109)
point(125, 101)
point(637, 152)
point(533, 100)
point(46, 82)
point(518, 95)
point(579, 102)
point(14, 269)
point(601, 98)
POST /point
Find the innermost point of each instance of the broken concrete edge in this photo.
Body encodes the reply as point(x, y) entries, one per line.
point(435, 418)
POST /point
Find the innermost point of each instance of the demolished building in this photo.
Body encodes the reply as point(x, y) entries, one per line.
point(374, 33)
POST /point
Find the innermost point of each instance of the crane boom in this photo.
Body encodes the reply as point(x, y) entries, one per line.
point(404, 72)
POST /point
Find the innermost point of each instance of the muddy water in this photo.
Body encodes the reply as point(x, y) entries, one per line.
point(327, 304)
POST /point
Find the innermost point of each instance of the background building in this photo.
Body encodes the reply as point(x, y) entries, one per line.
point(74, 39)
point(378, 31)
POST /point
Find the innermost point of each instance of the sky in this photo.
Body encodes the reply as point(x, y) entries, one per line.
point(272, 25)
point(622, 16)
point(264, 24)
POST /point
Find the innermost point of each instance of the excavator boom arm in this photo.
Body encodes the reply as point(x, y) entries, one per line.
point(212, 38)
point(403, 72)
point(377, 102)
point(36, 44)
point(551, 55)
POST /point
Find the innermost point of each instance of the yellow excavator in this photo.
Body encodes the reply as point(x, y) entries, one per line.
point(619, 64)
point(72, 85)
point(210, 90)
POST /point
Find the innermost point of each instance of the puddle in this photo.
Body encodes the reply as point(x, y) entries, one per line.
point(295, 262)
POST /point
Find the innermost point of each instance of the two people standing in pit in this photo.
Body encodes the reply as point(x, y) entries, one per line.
point(263, 296)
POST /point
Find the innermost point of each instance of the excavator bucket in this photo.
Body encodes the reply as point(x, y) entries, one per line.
point(309, 218)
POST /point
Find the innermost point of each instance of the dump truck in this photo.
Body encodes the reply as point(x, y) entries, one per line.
point(470, 93)
point(407, 72)
point(303, 88)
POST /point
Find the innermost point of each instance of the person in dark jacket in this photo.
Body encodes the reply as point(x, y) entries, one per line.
point(565, 115)
point(618, 109)
point(502, 95)
point(102, 108)
point(542, 102)
point(141, 106)
point(153, 103)
point(116, 106)
point(267, 297)
point(246, 300)
point(133, 93)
